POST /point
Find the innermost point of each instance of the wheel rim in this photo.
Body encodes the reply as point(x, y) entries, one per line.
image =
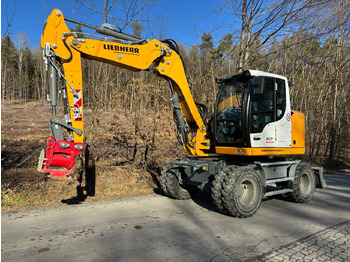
point(246, 194)
point(305, 184)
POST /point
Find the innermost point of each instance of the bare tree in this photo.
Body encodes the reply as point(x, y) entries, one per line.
point(9, 14)
point(119, 12)
point(21, 42)
point(261, 21)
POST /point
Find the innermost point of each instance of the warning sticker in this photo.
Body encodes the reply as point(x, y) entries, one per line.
point(77, 106)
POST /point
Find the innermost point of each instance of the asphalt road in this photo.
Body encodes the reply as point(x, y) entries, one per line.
point(156, 228)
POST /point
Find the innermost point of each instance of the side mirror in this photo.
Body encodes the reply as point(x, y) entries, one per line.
point(258, 85)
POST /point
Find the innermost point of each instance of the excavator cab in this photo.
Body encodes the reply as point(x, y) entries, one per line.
point(253, 115)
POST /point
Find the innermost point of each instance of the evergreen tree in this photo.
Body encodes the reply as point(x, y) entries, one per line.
point(9, 68)
point(207, 44)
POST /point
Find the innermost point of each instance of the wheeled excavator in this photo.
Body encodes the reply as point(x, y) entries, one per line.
point(241, 153)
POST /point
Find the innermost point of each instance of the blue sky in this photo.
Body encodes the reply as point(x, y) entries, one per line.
point(183, 20)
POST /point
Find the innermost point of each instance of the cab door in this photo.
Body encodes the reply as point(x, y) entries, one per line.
point(269, 126)
point(283, 115)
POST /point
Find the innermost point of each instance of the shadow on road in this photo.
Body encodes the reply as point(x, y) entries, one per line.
point(88, 171)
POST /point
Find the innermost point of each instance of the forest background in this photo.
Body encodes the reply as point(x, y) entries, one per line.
point(305, 40)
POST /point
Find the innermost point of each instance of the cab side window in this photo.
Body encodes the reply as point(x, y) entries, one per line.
point(263, 106)
point(280, 98)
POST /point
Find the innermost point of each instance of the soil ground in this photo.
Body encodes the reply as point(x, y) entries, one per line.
point(128, 152)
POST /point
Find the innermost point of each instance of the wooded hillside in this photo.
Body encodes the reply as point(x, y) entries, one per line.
point(306, 41)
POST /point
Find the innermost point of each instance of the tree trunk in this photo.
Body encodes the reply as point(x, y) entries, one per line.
point(242, 45)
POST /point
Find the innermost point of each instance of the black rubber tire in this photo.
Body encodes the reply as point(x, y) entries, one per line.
point(304, 184)
point(169, 181)
point(242, 192)
point(163, 179)
point(217, 186)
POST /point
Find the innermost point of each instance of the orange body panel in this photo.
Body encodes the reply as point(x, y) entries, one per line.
point(298, 132)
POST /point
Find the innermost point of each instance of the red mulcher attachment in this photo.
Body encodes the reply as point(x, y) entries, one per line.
point(59, 154)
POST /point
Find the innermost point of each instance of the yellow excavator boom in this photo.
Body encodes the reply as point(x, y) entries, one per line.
point(153, 55)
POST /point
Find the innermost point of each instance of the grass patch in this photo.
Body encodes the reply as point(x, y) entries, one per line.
point(8, 200)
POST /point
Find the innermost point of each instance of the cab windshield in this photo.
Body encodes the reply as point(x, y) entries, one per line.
point(230, 107)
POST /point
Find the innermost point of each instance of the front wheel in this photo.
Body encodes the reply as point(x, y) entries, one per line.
point(217, 187)
point(171, 183)
point(304, 184)
point(216, 190)
point(242, 192)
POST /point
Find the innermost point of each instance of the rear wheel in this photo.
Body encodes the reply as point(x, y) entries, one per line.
point(171, 183)
point(242, 192)
point(304, 184)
